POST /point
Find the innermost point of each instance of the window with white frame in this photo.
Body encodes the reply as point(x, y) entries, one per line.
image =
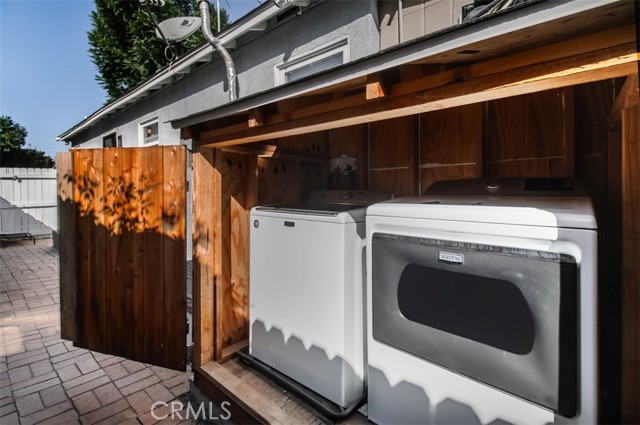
point(320, 59)
point(149, 132)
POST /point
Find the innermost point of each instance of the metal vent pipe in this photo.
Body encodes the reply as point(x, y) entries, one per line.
point(203, 5)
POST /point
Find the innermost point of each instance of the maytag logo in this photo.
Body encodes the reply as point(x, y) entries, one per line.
point(449, 257)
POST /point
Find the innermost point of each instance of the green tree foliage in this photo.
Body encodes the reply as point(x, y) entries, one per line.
point(123, 42)
point(13, 153)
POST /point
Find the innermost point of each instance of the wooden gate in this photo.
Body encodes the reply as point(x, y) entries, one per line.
point(122, 252)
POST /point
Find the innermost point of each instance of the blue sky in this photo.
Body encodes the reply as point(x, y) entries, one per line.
point(47, 82)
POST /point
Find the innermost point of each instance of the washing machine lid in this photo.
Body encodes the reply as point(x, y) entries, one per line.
point(328, 205)
point(530, 202)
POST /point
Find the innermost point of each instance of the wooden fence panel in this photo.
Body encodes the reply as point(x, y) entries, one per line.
point(115, 251)
point(134, 248)
point(29, 204)
point(67, 227)
point(174, 228)
point(123, 244)
point(153, 260)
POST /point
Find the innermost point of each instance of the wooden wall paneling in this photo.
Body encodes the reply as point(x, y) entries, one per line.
point(392, 156)
point(316, 144)
point(203, 256)
point(527, 135)
point(568, 131)
point(592, 105)
point(174, 228)
point(222, 252)
point(278, 181)
point(598, 167)
point(67, 229)
point(133, 166)
point(352, 141)
point(610, 286)
point(154, 262)
point(451, 144)
point(314, 177)
point(115, 203)
point(631, 265)
point(399, 181)
point(232, 287)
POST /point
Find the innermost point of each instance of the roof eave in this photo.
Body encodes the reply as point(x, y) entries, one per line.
point(494, 26)
point(165, 76)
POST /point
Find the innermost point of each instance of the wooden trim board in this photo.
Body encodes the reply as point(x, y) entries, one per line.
point(256, 397)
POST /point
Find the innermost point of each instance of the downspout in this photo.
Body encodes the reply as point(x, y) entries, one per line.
point(203, 5)
point(400, 22)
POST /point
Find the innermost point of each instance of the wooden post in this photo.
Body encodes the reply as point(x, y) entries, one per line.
point(631, 265)
point(67, 231)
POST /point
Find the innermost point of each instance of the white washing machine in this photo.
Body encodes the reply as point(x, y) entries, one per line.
point(482, 305)
point(307, 291)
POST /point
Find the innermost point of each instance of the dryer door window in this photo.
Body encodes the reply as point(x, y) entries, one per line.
point(506, 317)
point(435, 297)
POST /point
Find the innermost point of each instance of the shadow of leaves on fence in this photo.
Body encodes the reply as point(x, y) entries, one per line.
point(125, 203)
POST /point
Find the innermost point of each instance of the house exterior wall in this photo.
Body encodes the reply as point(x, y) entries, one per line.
point(255, 57)
point(420, 17)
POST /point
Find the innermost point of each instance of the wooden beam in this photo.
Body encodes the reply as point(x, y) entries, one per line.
point(272, 151)
point(582, 68)
point(256, 118)
point(627, 98)
point(231, 351)
point(258, 149)
point(313, 109)
point(376, 87)
point(242, 394)
point(203, 256)
point(219, 394)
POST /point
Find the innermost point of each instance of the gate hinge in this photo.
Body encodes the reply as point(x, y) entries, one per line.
point(189, 354)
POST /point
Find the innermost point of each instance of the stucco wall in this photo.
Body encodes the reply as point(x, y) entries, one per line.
point(420, 17)
point(255, 58)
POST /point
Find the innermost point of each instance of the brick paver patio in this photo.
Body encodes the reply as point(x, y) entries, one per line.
point(44, 379)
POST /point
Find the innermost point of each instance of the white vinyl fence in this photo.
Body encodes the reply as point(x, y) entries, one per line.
point(28, 200)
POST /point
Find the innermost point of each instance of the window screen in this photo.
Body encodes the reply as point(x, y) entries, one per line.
point(315, 67)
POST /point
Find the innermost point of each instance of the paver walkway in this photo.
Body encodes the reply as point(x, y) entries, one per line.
point(44, 379)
